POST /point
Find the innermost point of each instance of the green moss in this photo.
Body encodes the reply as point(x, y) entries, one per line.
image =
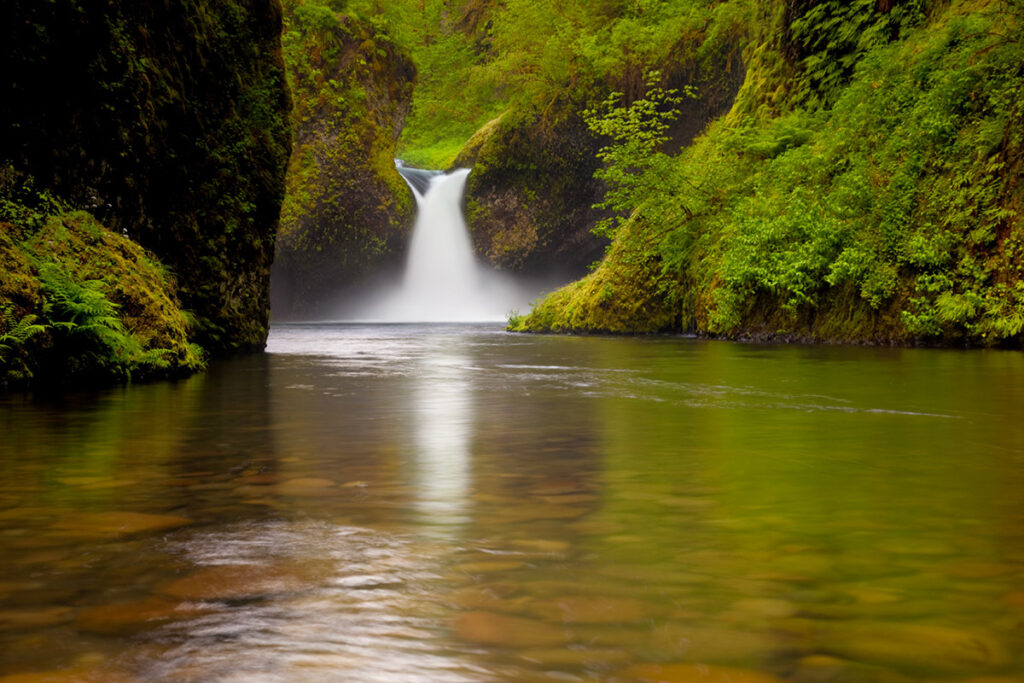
point(79, 302)
point(624, 294)
point(167, 121)
point(875, 198)
point(346, 209)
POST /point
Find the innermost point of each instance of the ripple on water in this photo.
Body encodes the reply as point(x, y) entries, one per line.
point(305, 601)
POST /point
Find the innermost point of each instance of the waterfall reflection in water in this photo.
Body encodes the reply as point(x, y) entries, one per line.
point(442, 414)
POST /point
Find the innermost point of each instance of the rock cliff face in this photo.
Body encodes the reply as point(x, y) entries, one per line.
point(347, 210)
point(863, 187)
point(167, 122)
point(530, 199)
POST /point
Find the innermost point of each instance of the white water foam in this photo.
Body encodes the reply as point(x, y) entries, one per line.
point(443, 281)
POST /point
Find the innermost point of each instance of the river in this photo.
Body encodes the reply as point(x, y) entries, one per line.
point(454, 503)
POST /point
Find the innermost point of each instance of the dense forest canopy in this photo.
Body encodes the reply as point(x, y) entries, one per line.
point(477, 59)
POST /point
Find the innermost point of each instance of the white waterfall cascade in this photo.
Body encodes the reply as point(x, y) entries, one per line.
point(443, 282)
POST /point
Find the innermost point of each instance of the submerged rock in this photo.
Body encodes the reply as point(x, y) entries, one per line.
point(591, 609)
point(576, 657)
point(306, 486)
point(232, 582)
point(693, 673)
point(916, 647)
point(488, 628)
point(129, 617)
point(82, 673)
point(118, 523)
point(21, 619)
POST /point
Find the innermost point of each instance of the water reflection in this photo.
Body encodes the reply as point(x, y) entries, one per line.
point(456, 504)
point(311, 601)
point(442, 415)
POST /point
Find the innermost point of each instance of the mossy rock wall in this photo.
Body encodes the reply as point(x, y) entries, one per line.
point(168, 122)
point(80, 303)
point(864, 187)
point(530, 200)
point(347, 212)
point(530, 195)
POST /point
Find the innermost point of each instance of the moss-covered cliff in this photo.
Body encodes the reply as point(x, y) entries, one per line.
point(347, 211)
point(168, 124)
point(532, 197)
point(865, 186)
point(503, 87)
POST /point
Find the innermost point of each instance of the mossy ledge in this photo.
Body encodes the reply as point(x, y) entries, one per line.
point(168, 124)
point(82, 304)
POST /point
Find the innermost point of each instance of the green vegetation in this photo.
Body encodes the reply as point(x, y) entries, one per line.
point(167, 123)
point(346, 209)
point(841, 171)
point(157, 137)
point(864, 187)
point(79, 302)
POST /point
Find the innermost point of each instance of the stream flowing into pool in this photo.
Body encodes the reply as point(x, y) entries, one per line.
point(454, 503)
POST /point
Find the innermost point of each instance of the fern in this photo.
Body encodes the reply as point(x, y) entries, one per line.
point(17, 331)
point(83, 311)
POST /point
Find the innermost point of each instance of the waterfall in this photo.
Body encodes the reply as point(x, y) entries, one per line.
point(442, 281)
point(441, 270)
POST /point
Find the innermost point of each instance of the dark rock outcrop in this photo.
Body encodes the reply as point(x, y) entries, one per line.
point(168, 122)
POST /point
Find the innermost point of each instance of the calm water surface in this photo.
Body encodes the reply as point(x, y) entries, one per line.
point(445, 503)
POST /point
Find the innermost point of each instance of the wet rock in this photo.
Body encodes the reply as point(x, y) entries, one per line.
point(576, 657)
point(693, 673)
point(916, 647)
point(100, 524)
point(125, 617)
point(488, 567)
point(306, 486)
point(488, 628)
point(591, 609)
point(18, 619)
point(229, 582)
